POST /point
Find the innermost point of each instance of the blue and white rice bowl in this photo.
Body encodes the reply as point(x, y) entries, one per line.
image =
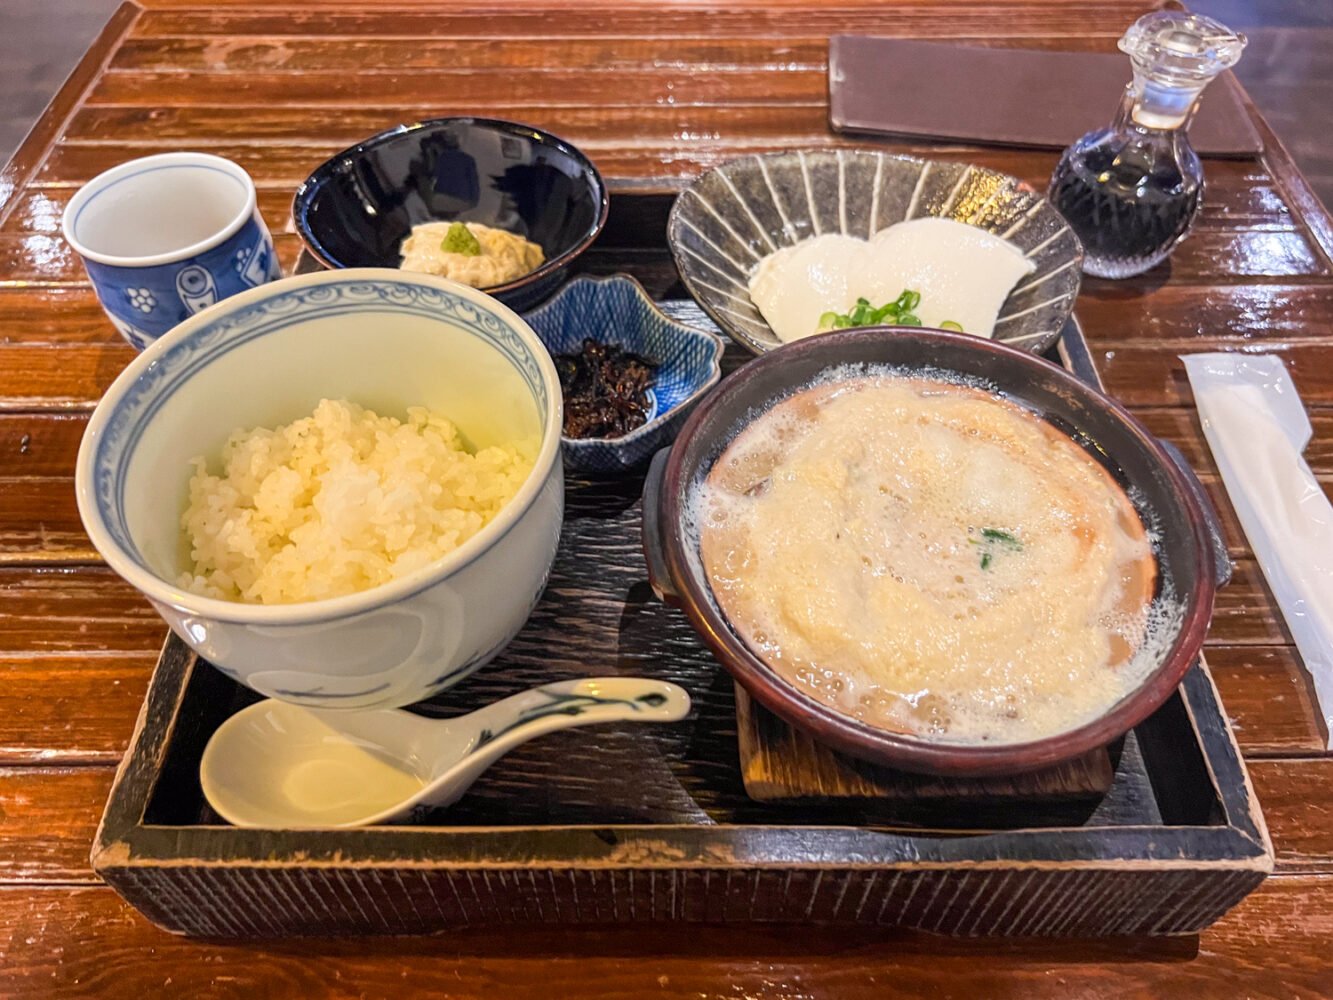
point(617, 310)
point(386, 340)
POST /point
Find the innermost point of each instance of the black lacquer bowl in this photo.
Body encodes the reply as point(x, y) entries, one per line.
point(1189, 550)
point(357, 207)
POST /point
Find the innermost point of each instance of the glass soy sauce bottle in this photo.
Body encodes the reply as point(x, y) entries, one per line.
point(1132, 191)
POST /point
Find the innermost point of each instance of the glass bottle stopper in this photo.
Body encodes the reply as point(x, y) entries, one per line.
point(1175, 56)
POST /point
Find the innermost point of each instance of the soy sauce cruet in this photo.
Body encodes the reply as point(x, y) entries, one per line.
point(1132, 191)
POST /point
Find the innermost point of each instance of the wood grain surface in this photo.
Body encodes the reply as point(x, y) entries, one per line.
point(780, 763)
point(655, 92)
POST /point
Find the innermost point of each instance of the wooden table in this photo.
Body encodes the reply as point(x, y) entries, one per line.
point(654, 92)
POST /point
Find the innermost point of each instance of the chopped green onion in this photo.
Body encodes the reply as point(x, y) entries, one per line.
point(895, 313)
point(461, 240)
point(863, 314)
point(996, 535)
point(949, 324)
point(990, 537)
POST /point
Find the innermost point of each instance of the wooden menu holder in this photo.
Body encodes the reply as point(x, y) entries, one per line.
point(782, 764)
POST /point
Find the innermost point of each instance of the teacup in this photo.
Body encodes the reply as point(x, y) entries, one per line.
point(165, 236)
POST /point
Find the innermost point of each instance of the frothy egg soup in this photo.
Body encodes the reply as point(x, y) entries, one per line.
point(933, 559)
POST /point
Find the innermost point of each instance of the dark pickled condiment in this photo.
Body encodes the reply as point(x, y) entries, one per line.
point(1131, 191)
point(605, 390)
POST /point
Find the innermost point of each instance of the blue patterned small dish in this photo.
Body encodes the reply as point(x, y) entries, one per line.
point(617, 310)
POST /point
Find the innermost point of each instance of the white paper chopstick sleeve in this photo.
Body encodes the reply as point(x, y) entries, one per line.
point(1257, 429)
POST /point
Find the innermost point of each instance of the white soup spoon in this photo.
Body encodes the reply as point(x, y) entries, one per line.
point(279, 766)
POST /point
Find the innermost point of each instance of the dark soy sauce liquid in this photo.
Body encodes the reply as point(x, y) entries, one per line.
point(1128, 206)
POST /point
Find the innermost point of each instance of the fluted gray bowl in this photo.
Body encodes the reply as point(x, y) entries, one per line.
point(724, 223)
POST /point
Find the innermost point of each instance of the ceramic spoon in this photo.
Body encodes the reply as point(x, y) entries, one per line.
point(280, 766)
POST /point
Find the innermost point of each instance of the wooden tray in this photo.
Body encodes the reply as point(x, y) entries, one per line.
point(654, 824)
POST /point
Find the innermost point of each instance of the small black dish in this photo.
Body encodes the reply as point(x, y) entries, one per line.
point(357, 207)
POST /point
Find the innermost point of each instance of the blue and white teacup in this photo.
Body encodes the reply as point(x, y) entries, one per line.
point(166, 236)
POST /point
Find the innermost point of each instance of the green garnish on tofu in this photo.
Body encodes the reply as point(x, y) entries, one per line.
point(459, 239)
point(896, 313)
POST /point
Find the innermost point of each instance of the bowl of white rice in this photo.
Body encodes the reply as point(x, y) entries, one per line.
point(342, 489)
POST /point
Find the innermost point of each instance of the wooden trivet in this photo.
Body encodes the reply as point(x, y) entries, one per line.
point(782, 764)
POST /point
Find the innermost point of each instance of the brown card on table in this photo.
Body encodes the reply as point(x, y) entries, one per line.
point(1012, 97)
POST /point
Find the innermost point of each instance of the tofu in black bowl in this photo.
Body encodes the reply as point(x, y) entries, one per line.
point(528, 203)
